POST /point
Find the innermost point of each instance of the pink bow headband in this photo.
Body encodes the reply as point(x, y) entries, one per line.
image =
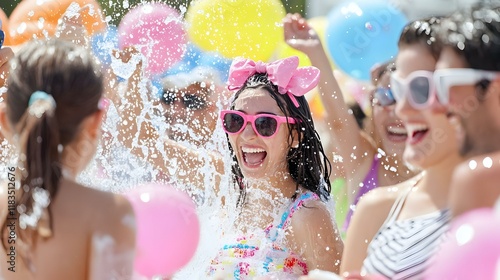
point(283, 73)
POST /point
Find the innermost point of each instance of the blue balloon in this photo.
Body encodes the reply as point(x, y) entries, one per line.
point(192, 56)
point(217, 62)
point(190, 60)
point(103, 43)
point(157, 88)
point(363, 33)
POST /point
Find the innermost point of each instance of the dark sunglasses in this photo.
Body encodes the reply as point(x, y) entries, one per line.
point(383, 97)
point(190, 101)
point(266, 125)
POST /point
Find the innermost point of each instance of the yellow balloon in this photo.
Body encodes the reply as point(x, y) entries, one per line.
point(248, 28)
point(284, 50)
point(319, 24)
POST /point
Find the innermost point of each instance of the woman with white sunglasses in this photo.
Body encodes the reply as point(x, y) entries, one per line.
point(397, 229)
point(370, 159)
point(468, 80)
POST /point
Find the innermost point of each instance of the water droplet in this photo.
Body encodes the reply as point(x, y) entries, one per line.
point(145, 197)
point(464, 234)
point(487, 162)
point(472, 164)
point(368, 26)
point(485, 38)
point(461, 46)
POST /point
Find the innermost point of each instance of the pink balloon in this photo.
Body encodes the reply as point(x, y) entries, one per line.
point(158, 31)
point(472, 250)
point(168, 229)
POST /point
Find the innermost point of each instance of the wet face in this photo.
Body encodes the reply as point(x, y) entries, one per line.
point(389, 128)
point(476, 110)
point(431, 136)
point(190, 113)
point(260, 157)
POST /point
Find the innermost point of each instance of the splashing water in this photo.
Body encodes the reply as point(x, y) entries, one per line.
point(115, 169)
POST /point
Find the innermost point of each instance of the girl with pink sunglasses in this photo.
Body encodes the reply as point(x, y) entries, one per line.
point(283, 227)
point(276, 150)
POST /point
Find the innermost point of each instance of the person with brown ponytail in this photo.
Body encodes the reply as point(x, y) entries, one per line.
point(52, 227)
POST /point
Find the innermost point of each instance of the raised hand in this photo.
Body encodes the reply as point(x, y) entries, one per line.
point(299, 34)
point(70, 26)
point(6, 54)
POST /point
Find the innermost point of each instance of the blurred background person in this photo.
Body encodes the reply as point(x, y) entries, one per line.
point(189, 104)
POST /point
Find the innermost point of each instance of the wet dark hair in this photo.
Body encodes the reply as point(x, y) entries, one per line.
point(42, 127)
point(474, 34)
point(357, 113)
point(423, 31)
point(386, 67)
point(308, 164)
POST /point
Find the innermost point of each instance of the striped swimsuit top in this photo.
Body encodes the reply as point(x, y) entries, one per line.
point(402, 249)
point(262, 253)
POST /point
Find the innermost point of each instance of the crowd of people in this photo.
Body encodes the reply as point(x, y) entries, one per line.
point(430, 155)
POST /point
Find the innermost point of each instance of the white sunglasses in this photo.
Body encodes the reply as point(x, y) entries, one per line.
point(444, 79)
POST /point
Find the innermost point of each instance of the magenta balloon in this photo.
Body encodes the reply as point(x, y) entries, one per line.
point(168, 229)
point(158, 31)
point(472, 248)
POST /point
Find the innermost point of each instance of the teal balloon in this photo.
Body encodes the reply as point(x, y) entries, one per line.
point(360, 34)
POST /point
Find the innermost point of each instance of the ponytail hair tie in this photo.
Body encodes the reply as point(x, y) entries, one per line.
point(41, 95)
point(40, 110)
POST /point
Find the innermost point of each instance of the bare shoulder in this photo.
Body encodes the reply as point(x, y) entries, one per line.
point(311, 210)
point(102, 210)
point(478, 171)
point(315, 235)
point(374, 207)
point(475, 184)
point(370, 213)
point(381, 197)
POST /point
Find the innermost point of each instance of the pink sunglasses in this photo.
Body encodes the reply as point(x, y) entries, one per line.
point(266, 125)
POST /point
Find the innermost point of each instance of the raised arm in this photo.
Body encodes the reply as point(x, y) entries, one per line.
point(6, 54)
point(351, 145)
point(136, 132)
